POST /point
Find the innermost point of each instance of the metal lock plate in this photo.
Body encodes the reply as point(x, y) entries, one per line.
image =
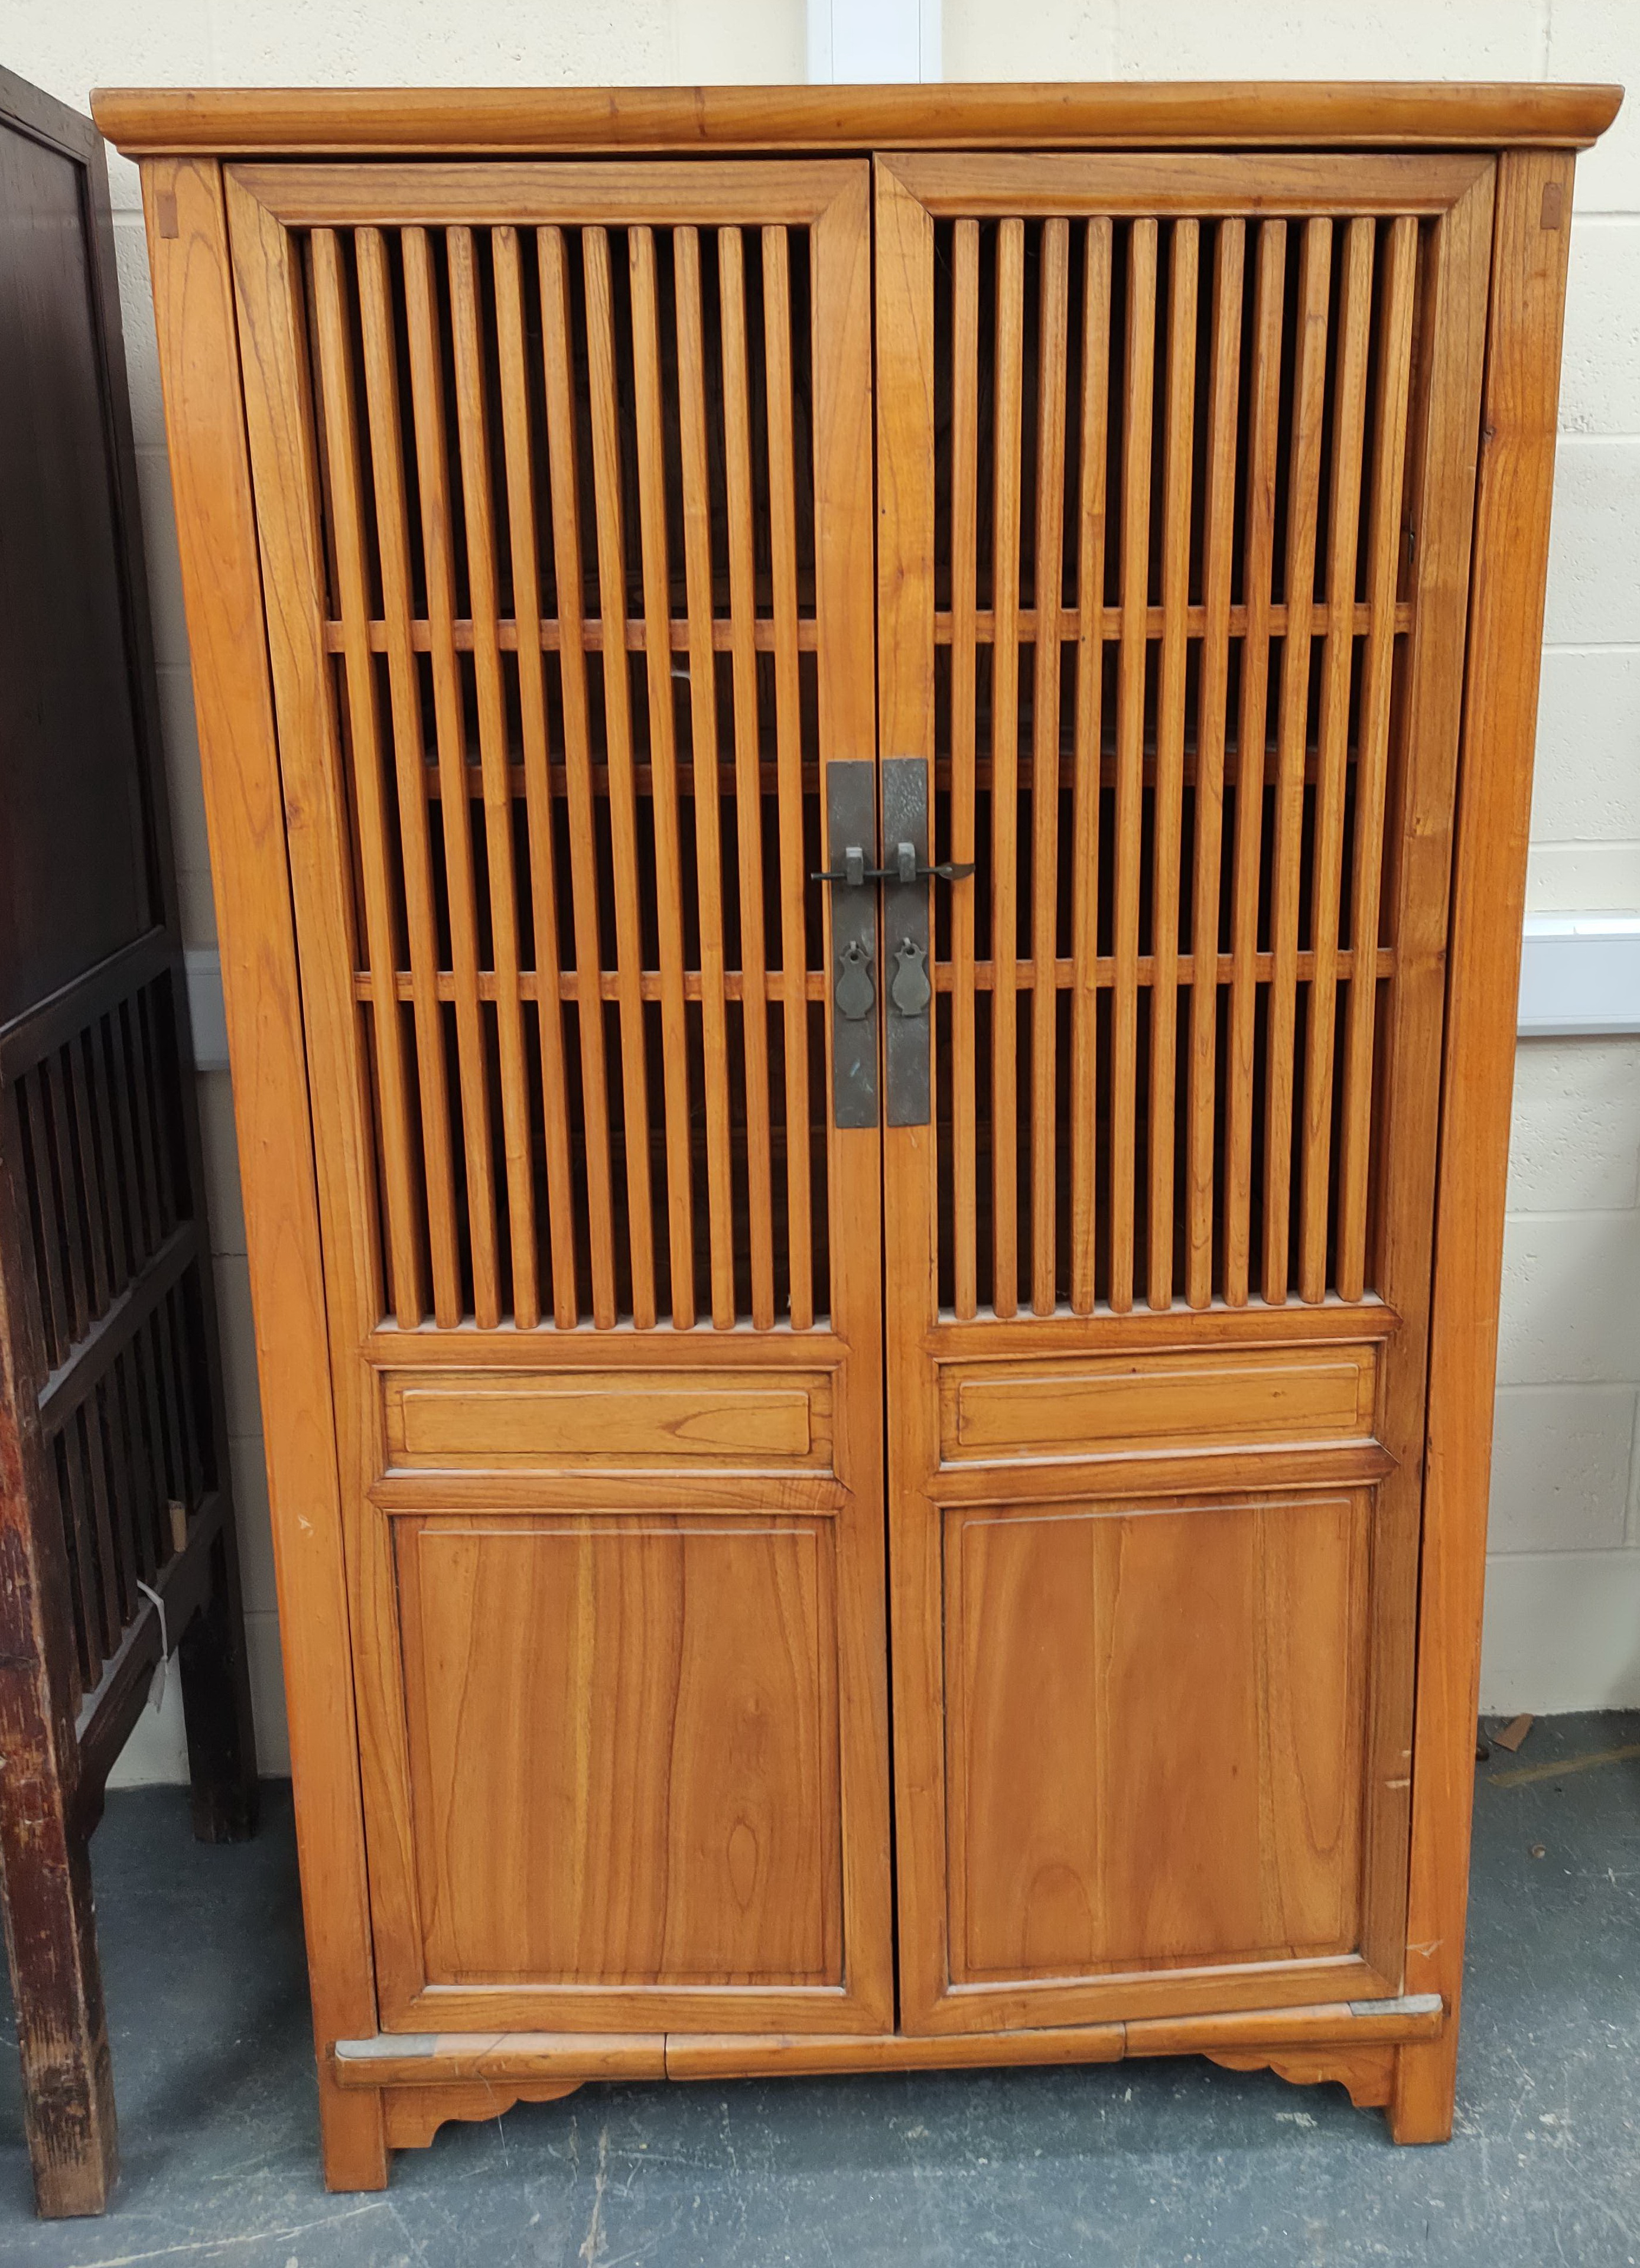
point(855, 968)
point(907, 1029)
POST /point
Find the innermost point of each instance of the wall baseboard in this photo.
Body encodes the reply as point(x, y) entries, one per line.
point(1579, 973)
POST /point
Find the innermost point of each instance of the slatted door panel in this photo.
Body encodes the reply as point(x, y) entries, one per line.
point(563, 481)
point(1177, 468)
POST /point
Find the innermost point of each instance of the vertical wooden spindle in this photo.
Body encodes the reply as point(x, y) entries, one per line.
point(1218, 531)
point(519, 454)
point(1349, 408)
point(1264, 401)
point(1178, 445)
point(1132, 665)
point(1304, 479)
point(1085, 818)
point(1053, 340)
point(450, 728)
point(558, 366)
point(1005, 768)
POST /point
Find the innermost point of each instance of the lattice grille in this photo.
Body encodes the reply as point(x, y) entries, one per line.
point(589, 967)
point(125, 1400)
point(1171, 460)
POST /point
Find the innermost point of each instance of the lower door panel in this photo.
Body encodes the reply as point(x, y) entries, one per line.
point(1149, 1752)
point(623, 1750)
point(1154, 1729)
point(622, 1688)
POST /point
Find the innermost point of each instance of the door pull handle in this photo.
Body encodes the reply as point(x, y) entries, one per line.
point(854, 993)
point(910, 989)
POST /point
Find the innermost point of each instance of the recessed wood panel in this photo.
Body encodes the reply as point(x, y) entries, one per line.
point(1154, 1736)
point(612, 1420)
point(623, 1752)
point(1093, 1405)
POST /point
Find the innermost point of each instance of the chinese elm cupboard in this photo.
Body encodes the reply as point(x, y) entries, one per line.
point(868, 759)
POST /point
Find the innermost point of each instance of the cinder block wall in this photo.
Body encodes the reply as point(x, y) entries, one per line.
point(1563, 1601)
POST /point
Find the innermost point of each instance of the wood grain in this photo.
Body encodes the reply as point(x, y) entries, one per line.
point(1096, 1405)
point(1516, 470)
point(1082, 1741)
point(1312, 114)
point(693, 1664)
point(245, 808)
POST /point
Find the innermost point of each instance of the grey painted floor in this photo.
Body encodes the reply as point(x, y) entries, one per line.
point(1151, 2165)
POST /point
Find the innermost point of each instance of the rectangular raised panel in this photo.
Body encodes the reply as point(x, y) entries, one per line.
point(610, 1420)
point(1154, 1735)
point(1093, 1405)
point(623, 1752)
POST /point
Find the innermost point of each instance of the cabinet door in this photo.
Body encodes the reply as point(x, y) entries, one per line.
point(562, 477)
point(1176, 459)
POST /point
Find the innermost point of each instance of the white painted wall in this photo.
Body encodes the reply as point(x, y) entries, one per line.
point(1564, 1608)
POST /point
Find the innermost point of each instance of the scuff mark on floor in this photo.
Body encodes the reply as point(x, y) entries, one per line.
point(249, 2236)
point(593, 2243)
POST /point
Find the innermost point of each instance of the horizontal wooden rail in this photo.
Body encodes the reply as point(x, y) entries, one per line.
point(634, 635)
point(90, 1358)
point(1158, 621)
point(424, 2058)
point(66, 1012)
point(813, 982)
point(1182, 114)
point(635, 632)
point(980, 775)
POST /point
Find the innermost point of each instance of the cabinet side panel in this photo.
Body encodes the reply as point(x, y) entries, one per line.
point(1494, 814)
point(1440, 509)
point(222, 590)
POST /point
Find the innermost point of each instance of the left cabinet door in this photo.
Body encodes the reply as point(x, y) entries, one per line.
point(564, 488)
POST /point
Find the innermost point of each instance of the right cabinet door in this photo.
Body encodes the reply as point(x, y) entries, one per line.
point(1176, 463)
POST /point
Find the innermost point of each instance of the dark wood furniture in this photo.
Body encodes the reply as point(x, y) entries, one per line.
point(871, 865)
point(116, 1518)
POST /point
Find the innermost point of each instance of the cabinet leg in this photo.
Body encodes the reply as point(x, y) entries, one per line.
point(353, 2134)
point(56, 1987)
point(1426, 2078)
point(217, 1705)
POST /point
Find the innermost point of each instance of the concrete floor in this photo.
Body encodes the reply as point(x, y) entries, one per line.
point(1151, 2165)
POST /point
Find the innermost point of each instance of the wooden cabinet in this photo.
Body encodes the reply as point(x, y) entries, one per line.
point(868, 758)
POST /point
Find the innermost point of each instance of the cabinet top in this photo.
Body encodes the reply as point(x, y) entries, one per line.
point(538, 121)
